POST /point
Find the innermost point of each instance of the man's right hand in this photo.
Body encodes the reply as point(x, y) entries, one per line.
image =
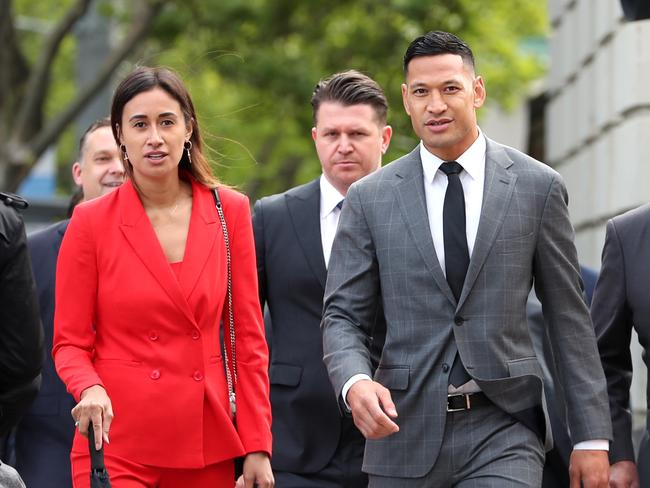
point(623, 474)
point(372, 409)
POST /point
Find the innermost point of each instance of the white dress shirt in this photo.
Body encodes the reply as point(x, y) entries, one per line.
point(329, 215)
point(435, 187)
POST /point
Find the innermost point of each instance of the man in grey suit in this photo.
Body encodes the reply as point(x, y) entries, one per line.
point(620, 305)
point(313, 445)
point(449, 239)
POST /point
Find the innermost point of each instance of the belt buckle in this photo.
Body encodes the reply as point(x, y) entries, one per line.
point(468, 403)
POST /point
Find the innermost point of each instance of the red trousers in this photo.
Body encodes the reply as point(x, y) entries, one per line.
point(126, 474)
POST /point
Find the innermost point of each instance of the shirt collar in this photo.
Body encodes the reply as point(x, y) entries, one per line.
point(329, 197)
point(472, 160)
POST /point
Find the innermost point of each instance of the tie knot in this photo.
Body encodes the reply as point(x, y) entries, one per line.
point(340, 204)
point(451, 168)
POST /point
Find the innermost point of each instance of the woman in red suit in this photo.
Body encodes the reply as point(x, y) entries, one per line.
point(141, 291)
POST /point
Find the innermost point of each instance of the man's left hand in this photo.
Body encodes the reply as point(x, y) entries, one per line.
point(590, 467)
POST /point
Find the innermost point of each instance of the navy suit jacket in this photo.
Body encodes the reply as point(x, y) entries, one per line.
point(291, 271)
point(556, 467)
point(44, 435)
point(621, 305)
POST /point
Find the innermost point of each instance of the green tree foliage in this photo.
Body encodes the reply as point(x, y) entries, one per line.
point(251, 67)
point(36, 69)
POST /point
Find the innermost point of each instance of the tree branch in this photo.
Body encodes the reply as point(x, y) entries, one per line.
point(139, 27)
point(40, 76)
point(11, 80)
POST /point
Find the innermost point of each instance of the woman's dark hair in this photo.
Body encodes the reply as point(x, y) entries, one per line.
point(144, 79)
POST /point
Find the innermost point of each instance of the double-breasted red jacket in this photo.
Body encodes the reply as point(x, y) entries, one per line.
point(124, 320)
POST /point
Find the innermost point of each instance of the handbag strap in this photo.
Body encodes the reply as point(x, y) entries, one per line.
point(231, 378)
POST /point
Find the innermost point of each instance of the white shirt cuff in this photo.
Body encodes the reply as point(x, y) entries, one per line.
point(593, 445)
point(348, 385)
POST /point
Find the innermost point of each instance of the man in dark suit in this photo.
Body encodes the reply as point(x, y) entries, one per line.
point(313, 446)
point(44, 436)
point(449, 239)
point(556, 464)
point(621, 304)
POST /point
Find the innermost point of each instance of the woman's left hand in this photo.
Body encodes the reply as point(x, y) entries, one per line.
point(257, 472)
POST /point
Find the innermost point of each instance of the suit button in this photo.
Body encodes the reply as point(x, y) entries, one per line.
point(196, 334)
point(198, 376)
point(155, 374)
point(458, 320)
point(153, 335)
point(445, 367)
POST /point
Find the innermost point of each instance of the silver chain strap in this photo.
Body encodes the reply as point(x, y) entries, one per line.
point(231, 378)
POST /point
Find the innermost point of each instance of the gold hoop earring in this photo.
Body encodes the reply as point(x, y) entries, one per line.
point(188, 147)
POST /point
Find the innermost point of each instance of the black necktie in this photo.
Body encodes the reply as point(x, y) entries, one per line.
point(456, 250)
point(340, 204)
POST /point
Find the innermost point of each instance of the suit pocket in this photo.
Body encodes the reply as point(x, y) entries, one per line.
point(524, 366)
point(117, 362)
point(285, 374)
point(393, 377)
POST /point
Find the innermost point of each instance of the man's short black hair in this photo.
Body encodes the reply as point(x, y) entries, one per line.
point(350, 88)
point(438, 42)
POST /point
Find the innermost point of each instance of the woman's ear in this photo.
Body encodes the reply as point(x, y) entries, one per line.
point(188, 134)
point(119, 134)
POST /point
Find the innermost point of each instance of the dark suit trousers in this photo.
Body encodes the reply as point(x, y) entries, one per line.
point(643, 460)
point(343, 471)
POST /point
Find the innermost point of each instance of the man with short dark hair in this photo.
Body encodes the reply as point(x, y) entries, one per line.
point(44, 436)
point(313, 446)
point(621, 306)
point(449, 239)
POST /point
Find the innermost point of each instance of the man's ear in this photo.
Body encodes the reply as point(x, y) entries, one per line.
point(386, 134)
point(76, 173)
point(479, 92)
point(404, 99)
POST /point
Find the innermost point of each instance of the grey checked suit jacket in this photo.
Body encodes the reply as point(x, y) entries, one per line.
point(384, 252)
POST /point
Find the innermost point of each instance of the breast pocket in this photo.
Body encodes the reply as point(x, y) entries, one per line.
point(514, 245)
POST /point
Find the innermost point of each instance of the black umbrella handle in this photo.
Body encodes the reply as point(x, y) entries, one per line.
point(96, 456)
point(98, 474)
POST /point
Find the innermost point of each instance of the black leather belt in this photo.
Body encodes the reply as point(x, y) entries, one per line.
point(458, 403)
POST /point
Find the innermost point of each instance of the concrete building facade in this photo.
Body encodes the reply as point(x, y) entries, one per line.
point(597, 124)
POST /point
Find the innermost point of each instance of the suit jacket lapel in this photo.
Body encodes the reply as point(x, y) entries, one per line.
point(201, 238)
point(304, 209)
point(497, 192)
point(140, 234)
point(61, 227)
point(409, 189)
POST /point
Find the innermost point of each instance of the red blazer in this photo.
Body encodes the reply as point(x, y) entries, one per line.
point(123, 320)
